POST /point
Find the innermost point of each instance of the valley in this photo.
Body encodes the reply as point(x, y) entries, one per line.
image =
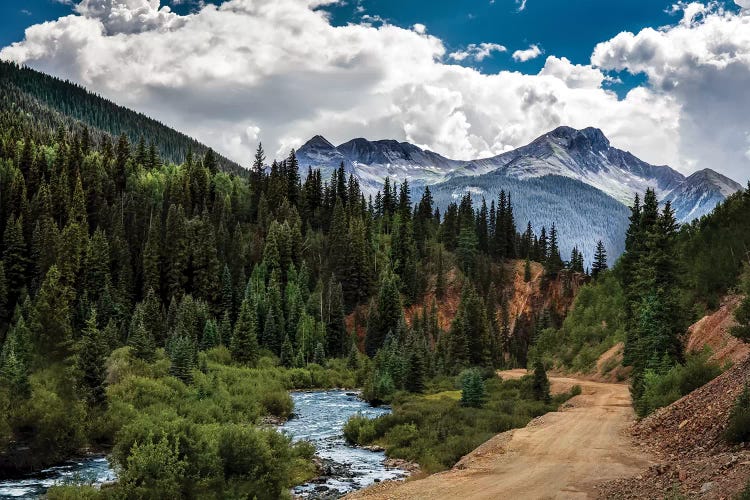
point(518, 325)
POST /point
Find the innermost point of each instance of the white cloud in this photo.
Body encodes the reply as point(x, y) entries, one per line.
point(130, 16)
point(521, 5)
point(420, 28)
point(277, 70)
point(528, 54)
point(745, 4)
point(478, 52)
point(704, 65)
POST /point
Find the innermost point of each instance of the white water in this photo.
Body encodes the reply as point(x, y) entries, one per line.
point(319, 417)
point(94, 470)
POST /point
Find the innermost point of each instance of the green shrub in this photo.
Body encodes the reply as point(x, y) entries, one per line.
point(359, 430)
point(663, 389)
point(153, 470)
point(738, 428)
point(437, 431)
point(219, 355)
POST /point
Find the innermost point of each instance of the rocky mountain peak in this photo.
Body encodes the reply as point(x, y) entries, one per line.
point(318, 142)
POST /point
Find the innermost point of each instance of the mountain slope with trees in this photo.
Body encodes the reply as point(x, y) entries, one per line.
point(47, 103)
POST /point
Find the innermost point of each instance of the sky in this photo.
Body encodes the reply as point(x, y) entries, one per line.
point(668, 81)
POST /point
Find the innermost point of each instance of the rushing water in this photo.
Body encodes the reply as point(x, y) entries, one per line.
point(319, 417)
point(94, 470)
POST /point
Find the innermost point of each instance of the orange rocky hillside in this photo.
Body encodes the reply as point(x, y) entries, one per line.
point(713, 331)
point(525, 300)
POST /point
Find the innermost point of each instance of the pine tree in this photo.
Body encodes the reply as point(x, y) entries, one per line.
point(141, 343)
point(209, 161)
point(51, 322)
point(204, 261)
point(15, 258)
point(338, 242)
point(543, 252)
point(540, 383)
point(385, 314)
point(319, 355)
point(336, 334)
point(96, 263)
point(122, 156)
point(182, 359)
point(600, 260)
point(271, 332)
point(225, 329)
point(257, 176)
point(554, 261)
point(352, 362)
point(244, 345)
point(527, 271)
point(152, 257)
point(91, 353)
point(358, 279)
point(415, 382)
point(469, 337)
point(467, 247)
point(211, 337)
point(472, 390)
point(227, 291)
point(176, 252)
point(15, 357)
point(14, 371)
point(287, 353)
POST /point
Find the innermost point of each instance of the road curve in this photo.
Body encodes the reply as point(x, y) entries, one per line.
point(562, 454)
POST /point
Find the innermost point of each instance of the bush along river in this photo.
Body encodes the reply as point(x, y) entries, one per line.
point(319, 417)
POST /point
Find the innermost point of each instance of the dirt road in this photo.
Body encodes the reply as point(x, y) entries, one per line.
point(560, 455)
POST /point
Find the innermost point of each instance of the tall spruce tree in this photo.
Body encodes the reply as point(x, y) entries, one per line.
point(244, 345)
point(600, 260)
point(385, 314)
point(91, 353)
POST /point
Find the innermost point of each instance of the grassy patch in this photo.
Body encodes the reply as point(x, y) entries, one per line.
point(436, 431)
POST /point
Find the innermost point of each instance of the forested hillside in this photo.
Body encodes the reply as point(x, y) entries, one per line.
point(46, 103)
point(668, 278)
point(155, 309)
point(583, 214)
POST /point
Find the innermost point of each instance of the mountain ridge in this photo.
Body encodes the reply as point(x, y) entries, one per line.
point(585, 155)
point(50, 103)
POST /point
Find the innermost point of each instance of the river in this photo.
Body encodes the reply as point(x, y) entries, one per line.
point(319, 417)
point(93, 470)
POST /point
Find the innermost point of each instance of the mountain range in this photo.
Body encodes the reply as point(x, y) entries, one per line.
point(573, 178)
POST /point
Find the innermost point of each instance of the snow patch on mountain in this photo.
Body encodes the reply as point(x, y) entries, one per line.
point(583, 155)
